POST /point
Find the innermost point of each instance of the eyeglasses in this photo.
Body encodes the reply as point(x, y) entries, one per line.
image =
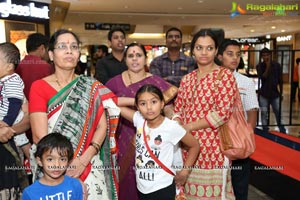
point(64, 47)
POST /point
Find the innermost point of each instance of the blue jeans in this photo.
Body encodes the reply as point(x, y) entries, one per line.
point(264, 105)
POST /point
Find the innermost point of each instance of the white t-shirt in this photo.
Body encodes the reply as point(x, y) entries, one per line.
point(162, 140)
point(247, 91)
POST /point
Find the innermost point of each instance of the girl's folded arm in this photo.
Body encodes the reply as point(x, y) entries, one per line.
point(125, 101)
point(127, 113)
point(193, 151)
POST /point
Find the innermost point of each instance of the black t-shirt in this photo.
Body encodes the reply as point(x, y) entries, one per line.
point(108, 67)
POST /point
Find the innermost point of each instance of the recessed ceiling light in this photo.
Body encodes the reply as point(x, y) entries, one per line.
point(200, 1)
point(282, 31)
point(252, 30)
point(273, 27)
point(179, 8)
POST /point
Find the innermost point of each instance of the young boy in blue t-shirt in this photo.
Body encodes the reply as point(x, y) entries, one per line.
point(54, 153)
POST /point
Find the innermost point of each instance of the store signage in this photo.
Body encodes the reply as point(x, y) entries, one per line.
point(251, 40)
point(105, 26)
point(30, 10)
point(284, 38)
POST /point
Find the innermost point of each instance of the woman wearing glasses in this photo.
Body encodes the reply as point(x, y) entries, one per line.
point(76, 106)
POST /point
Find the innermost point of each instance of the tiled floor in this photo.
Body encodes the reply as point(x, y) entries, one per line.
point(293, 128)
point(255, 194)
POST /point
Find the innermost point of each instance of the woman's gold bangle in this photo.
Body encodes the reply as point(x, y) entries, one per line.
point(96, 146)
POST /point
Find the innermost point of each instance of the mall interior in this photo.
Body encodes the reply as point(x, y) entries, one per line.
point(254, 25)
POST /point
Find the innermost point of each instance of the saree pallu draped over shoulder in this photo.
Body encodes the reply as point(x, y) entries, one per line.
point(75, 112)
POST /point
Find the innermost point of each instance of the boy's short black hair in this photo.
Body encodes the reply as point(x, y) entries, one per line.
point(225, 44)
point(265, 50)
point(55, 141)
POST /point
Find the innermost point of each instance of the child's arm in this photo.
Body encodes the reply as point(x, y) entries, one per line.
point(125, 101)
point(127, 113)
point(14, 107)
point(24, 124)
point(193, 151)
point(3, 124)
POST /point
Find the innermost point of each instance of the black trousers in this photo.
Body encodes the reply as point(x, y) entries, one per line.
point(167, 193)
point(294, 91)
point(240, 174)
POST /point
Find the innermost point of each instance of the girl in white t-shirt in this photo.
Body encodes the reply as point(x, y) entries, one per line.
point(162, 136)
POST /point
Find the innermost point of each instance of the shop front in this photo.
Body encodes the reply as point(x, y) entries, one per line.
point(20, 18)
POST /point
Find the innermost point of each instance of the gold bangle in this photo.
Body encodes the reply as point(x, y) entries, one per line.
point(96, 146)
point(81, 162)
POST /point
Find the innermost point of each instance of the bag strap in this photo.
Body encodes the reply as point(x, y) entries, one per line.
point(238, 100)
point(153, 156)
point(219, 77)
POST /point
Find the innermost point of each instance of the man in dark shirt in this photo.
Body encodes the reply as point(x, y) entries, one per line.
point(270, 76)
point(113, 64)
point(172, 65)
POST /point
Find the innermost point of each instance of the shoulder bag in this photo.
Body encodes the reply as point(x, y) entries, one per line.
point(237, 139)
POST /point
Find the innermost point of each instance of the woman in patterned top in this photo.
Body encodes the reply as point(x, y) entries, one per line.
point(203, 104)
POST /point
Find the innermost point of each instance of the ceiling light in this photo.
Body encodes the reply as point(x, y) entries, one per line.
point(282, 31)
point(252, 30)
point(273, 27)
point(146, 35)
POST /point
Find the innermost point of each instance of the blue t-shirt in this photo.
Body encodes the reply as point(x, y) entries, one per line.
point(69, 189)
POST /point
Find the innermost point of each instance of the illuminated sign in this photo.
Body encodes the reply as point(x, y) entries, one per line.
point(284, 38)
point(105, 26)
point(7, 8)
point(257, 40)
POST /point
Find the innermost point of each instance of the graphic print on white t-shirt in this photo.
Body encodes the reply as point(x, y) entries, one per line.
point(161, 140)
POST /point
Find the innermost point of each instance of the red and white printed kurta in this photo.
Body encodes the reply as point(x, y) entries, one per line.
point(210, 99)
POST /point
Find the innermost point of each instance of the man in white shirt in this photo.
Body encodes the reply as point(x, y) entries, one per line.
point(229, 55)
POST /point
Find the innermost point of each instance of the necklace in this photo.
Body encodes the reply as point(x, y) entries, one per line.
point(59, 84)
point(130, 80)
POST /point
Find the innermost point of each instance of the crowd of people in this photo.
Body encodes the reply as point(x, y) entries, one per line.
point(128, 132)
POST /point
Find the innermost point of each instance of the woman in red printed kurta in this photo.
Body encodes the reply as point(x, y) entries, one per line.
point(202, 105)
